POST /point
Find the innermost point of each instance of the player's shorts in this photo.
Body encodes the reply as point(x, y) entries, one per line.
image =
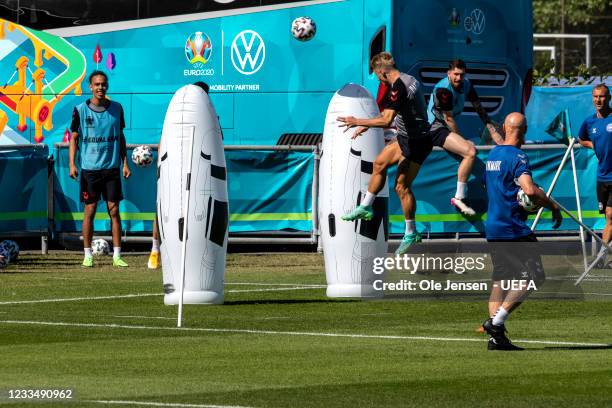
point(390, 135)
point(438, 133)
point(604, 195)
point(415, 149)
point(96, 184)
point(516, 259)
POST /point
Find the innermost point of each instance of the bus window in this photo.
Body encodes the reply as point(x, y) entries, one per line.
point(377, 45)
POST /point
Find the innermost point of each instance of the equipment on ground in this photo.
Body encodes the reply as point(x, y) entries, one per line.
point(350, 247)
point(192, 204)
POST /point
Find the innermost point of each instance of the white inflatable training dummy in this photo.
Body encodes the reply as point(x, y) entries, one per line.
point(349, 247)
point(191, 118)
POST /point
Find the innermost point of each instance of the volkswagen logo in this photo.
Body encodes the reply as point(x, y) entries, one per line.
point(248, 52)
point(477, 22)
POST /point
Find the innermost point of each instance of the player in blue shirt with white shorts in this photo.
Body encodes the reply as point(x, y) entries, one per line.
point(447, 100)
point(596, 133)
point(97, 134)
point(514, 256)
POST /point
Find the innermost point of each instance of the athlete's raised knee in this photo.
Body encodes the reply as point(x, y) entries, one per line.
point(380, 166)
point(471, 151)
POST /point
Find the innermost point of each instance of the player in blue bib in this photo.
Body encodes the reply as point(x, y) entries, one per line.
point(596, 133)
point(513, 253)
point(97, 135)
point(447, 100)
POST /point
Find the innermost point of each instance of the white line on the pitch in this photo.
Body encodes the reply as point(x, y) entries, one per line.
point(76, 299)
point(144, 317)
point(20, 302)
point(161, 404)
point(576, 293)
point(290, 333)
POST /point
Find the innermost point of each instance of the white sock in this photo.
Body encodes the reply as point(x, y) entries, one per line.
point(500, 317)
point(88, 252)
point(116, 252)
point(368, 200)
point(461, 190)
point(410, 227)
point(155, 245)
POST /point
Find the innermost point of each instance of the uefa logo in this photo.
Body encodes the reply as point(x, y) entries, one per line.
point(198, 48)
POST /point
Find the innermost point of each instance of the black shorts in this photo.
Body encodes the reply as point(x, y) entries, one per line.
point(438, 133)
point(96, 184)
point(604, 195)
point(415, 149)
point(516, 259)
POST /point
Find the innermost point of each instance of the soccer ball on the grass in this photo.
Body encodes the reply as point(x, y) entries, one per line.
point(142, 156)
point(99, 247)
point(303, 28)
point(525, 202)
point(11, 249)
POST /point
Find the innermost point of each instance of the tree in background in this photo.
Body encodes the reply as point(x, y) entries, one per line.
point(579, 17)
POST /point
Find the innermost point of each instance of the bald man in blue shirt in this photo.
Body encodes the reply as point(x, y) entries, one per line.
point(596, 133)
point(514, 255)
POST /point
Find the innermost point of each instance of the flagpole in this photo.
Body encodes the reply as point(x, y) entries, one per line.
point(578, 207)
point(552, 186)
point(561, 129)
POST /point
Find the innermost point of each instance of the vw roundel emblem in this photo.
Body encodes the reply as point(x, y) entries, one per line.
point(248, 52)
point(478, 21)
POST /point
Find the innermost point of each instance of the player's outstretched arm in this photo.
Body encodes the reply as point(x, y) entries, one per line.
point(384, 120)
point(472, 96)
point(496, 132)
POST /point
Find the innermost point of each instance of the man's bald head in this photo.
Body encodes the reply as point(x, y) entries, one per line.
point(515, 119)
point(515, 127)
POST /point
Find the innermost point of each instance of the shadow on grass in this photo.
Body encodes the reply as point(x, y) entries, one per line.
point(286, 301)
point(585, 347)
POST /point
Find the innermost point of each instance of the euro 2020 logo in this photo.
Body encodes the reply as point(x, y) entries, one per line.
point(198, 48)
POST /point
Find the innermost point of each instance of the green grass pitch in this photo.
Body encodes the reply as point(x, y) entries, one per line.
point(279, 342)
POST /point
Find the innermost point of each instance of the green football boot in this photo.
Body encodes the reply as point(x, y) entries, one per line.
point(117, 261)
point(362, 212)
point(408, 240)
point(87, 261)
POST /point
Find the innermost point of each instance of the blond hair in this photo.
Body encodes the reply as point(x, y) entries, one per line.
point(383, 60)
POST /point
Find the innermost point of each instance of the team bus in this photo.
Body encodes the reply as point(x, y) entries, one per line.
point(268, 87)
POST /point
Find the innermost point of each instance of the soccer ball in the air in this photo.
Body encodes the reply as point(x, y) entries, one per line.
point(11, 249)
point(142, 156)
point(99, 247)
point(525, 202)
point(303, 28)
